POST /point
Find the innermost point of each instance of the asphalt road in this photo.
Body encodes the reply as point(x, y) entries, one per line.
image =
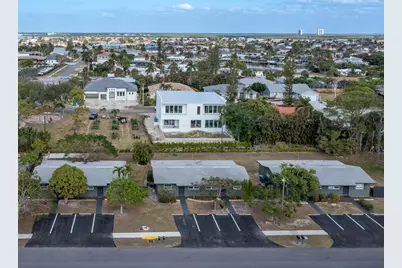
point(200, 258)
point(69, 69)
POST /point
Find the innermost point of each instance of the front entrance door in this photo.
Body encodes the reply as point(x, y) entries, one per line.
point(346, 190)
point(181, 190)
point(100, 191)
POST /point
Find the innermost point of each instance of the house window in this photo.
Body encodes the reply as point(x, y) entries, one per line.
point(44, 186)
point(193, 188)
point(236, 188)
point(171, 123)
point(213, 124)
point(120, 94)
point(212, 109)
point(211, 188)
point(173, 109)
point(90, 188)
point(198, 110)
point(333, 187)
point(195, 123)
point(168, 187)
point(359, 187)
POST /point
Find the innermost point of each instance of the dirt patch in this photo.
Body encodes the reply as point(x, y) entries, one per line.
point(77, 206)
point(378, 205)
point(313, 241)
point(22, 242)
point(26, 219)
point(140, 243)
point(299, 221)
point(240, 207)
point(338, 208)
point(158, 217)
point(204, 207)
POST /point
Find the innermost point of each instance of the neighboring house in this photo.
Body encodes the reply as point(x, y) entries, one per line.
point(183, 177)
point(175, 87)
point(111, 89)
point(248, 81)
point(102, 57)
point(184, 111)
point(241, 92)
point(334, 176)
point(99, 174)
point(299, 90)
point(51, 60)
point(31, 55)
point(59, 51)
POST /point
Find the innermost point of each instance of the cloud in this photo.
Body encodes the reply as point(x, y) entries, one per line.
point(184, 6)
point(304, 1)
point(206, 8)
point(107, 15)
point(234, 9)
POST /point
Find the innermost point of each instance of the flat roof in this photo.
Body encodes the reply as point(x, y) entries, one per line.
point(190, 97)
point(188, 172)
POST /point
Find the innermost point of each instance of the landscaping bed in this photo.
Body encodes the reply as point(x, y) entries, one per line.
point(140, 243)
point(196, 134)
point(338, 208)
point(77, 206)
point(313, 241)
point(205, 207)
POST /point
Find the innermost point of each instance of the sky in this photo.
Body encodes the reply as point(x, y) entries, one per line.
point(202, 16)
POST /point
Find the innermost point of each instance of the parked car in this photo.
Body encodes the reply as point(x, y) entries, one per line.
point(93, 116)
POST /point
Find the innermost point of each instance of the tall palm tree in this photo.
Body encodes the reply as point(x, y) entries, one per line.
point(303, 107)
point(150, 68)
point(190, 66)
point(119, 171)
point(173, 68)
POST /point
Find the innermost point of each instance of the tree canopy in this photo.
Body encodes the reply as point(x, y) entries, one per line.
point(142, 152)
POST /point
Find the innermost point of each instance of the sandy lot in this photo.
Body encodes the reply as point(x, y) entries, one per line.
point(338, 208)
point(74, 206)
point(140, 243)
point(198, 207)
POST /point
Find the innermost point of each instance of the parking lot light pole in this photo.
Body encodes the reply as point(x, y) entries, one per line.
point(283, 192)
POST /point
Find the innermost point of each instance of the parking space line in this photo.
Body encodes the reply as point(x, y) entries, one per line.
point(93, 224)
point(54, 221)
point(72, 226)
point(374, 221)
point(335, 222)
point(355, 222)
point(235, 222)
point(216, 222)
point(196, 222)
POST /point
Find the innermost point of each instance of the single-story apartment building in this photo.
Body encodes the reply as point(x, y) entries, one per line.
point(334, 176)
point(241, 92)
point(184, 177)
point(299, 90)
point(99, 174)
point(111, 89)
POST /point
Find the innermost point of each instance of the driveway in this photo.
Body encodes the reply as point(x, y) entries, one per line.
point(67, 70)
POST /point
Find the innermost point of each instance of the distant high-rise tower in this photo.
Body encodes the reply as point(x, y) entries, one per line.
point(320, 32)
point(300, 32)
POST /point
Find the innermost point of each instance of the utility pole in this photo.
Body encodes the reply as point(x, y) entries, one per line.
point(283, 192)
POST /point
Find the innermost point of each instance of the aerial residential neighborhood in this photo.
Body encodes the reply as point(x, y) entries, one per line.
point(197, 141)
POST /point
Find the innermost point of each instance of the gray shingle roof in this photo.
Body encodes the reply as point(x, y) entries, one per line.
point(329, 172)
point(98, 173)
point(251, 80)
point(186, 97)
point(280, 88)
point(187, 172)
point(101, 85)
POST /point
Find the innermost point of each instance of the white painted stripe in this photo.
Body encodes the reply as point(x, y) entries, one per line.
point(216, 222)
point(72, 226)
point(24, 236)
point(357, 214)
point(294, 232)
point(196, 222)
point(203, 214)
point(374, 221)
point(55, 218)
point(335, 222)
point(355, 222)
point(235, 222)
point(93, 224)
point(83, 214)
point(378, 214)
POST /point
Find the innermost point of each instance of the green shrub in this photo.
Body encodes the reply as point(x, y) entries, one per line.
point(142, 152)
point(150, 177)
point(334, 197)
point(95, 124)
point(366, 204)
point(134, 124)
point(167, 199)
point(115, 135)
point(319, 197)
point(280, 146)
point(115, 124)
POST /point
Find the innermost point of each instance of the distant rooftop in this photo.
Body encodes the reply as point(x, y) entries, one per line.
point(185, 97)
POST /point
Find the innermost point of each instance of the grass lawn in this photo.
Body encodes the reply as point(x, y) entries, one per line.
point(22, 242)
point(313, 241)
point(378, 205)
point(338, 208)
point(63, 127)
point(249, 160)
point(26, 220)
point(158, 217)
point(299, 221)
point(140, 243)
point(203, 207)
point(81, 206)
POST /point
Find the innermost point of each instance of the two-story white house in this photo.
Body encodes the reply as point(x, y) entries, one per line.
point(111, 89)
point(185, 111)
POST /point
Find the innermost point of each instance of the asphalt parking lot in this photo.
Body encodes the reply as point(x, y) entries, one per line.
point(353, 230)
point(72, 230)
point(218, 231)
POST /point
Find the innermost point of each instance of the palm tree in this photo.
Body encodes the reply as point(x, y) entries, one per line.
point(190, 66)
point(119, 171)
point(303, 107)
point(150, 68)
point(173, 68)
point(164, 86)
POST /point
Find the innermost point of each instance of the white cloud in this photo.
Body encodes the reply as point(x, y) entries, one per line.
point(184, 6)
point(206, 8)
point(107, 15)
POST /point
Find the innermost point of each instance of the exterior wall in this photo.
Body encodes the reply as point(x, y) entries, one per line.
point(188, 193)
point(189, 112)
point(160, 187)
point(313, 97)
point(132, 96)
point(93, 193)
point(352, 191)
point(276, 95)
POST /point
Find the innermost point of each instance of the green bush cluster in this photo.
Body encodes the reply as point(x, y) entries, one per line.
point(115, 135)
point(134, 124)
point(319, 197)
point(115, 124)
point(334, 197)
point(95, 124)
point(167, 199)
point(366, 204)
